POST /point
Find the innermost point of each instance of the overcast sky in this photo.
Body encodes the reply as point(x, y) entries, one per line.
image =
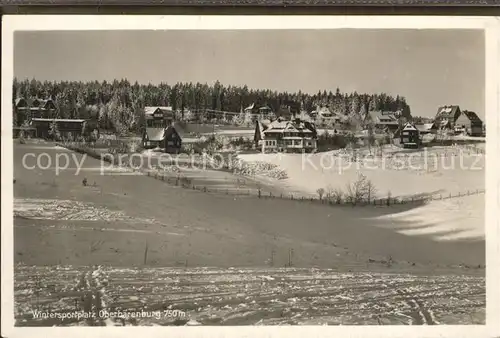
point(428, 67)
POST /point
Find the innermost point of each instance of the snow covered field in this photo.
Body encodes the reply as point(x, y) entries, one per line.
point(209, 296)
point(451, 219)
point(423, 173)
point(435, 171)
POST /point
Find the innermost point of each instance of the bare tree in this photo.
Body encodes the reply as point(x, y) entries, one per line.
point(360, 190)
point(320, 193)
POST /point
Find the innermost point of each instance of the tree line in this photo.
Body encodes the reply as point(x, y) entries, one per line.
point(119, 105)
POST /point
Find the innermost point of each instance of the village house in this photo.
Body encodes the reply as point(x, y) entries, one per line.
point(469, 123)
point(424, 128)
point(158, 117)
point(160, 131)
point(263, 112)
point(407, 136)
point(35, 108)
point(285, 136)
point(323, 115)
point(67, 128)
point(446, 117)
point(385, 121)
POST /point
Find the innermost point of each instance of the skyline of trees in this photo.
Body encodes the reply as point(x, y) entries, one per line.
point(119, 105)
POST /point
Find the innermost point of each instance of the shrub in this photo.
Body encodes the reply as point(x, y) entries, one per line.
point(22, 139)
point(361, 190)
point(335, 195)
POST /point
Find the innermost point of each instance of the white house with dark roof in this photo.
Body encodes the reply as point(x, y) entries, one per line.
point(408, 136)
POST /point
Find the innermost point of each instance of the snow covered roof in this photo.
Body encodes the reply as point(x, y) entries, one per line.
point(19, 100)
point(424, 127)
point(471, 115)
point(151, 110)
point(409, 126)
point(39, 119)
point(280, 126)
point(447, 111)
point(381, 117)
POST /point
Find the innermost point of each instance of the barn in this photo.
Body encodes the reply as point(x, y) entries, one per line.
point(68, 128)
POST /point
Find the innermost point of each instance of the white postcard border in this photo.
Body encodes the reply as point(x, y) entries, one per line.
point(94, 22)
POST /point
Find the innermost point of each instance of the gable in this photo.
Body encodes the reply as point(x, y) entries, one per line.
point(35, 103)
point(172, 134)
point(21, 102)
point(448, 112)
point(49, 104)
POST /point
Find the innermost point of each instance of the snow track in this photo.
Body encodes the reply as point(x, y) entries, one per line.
point(210, 296)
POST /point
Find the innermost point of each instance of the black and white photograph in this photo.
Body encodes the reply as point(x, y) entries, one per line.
point(248, 176)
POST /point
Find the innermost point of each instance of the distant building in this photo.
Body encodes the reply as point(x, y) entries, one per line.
point(446, 117)
point(26, 109)
point(424, 128)
point(285, 136)
point(408, 136)
point(173, 141)
point(324, 115)
point(159, 117)
point(68, 128)
point(160, 131)
point(166, 138)
point(470, 123)
point(259, 112)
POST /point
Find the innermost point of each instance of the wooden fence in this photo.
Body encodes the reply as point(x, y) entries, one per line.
point(188, 183)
